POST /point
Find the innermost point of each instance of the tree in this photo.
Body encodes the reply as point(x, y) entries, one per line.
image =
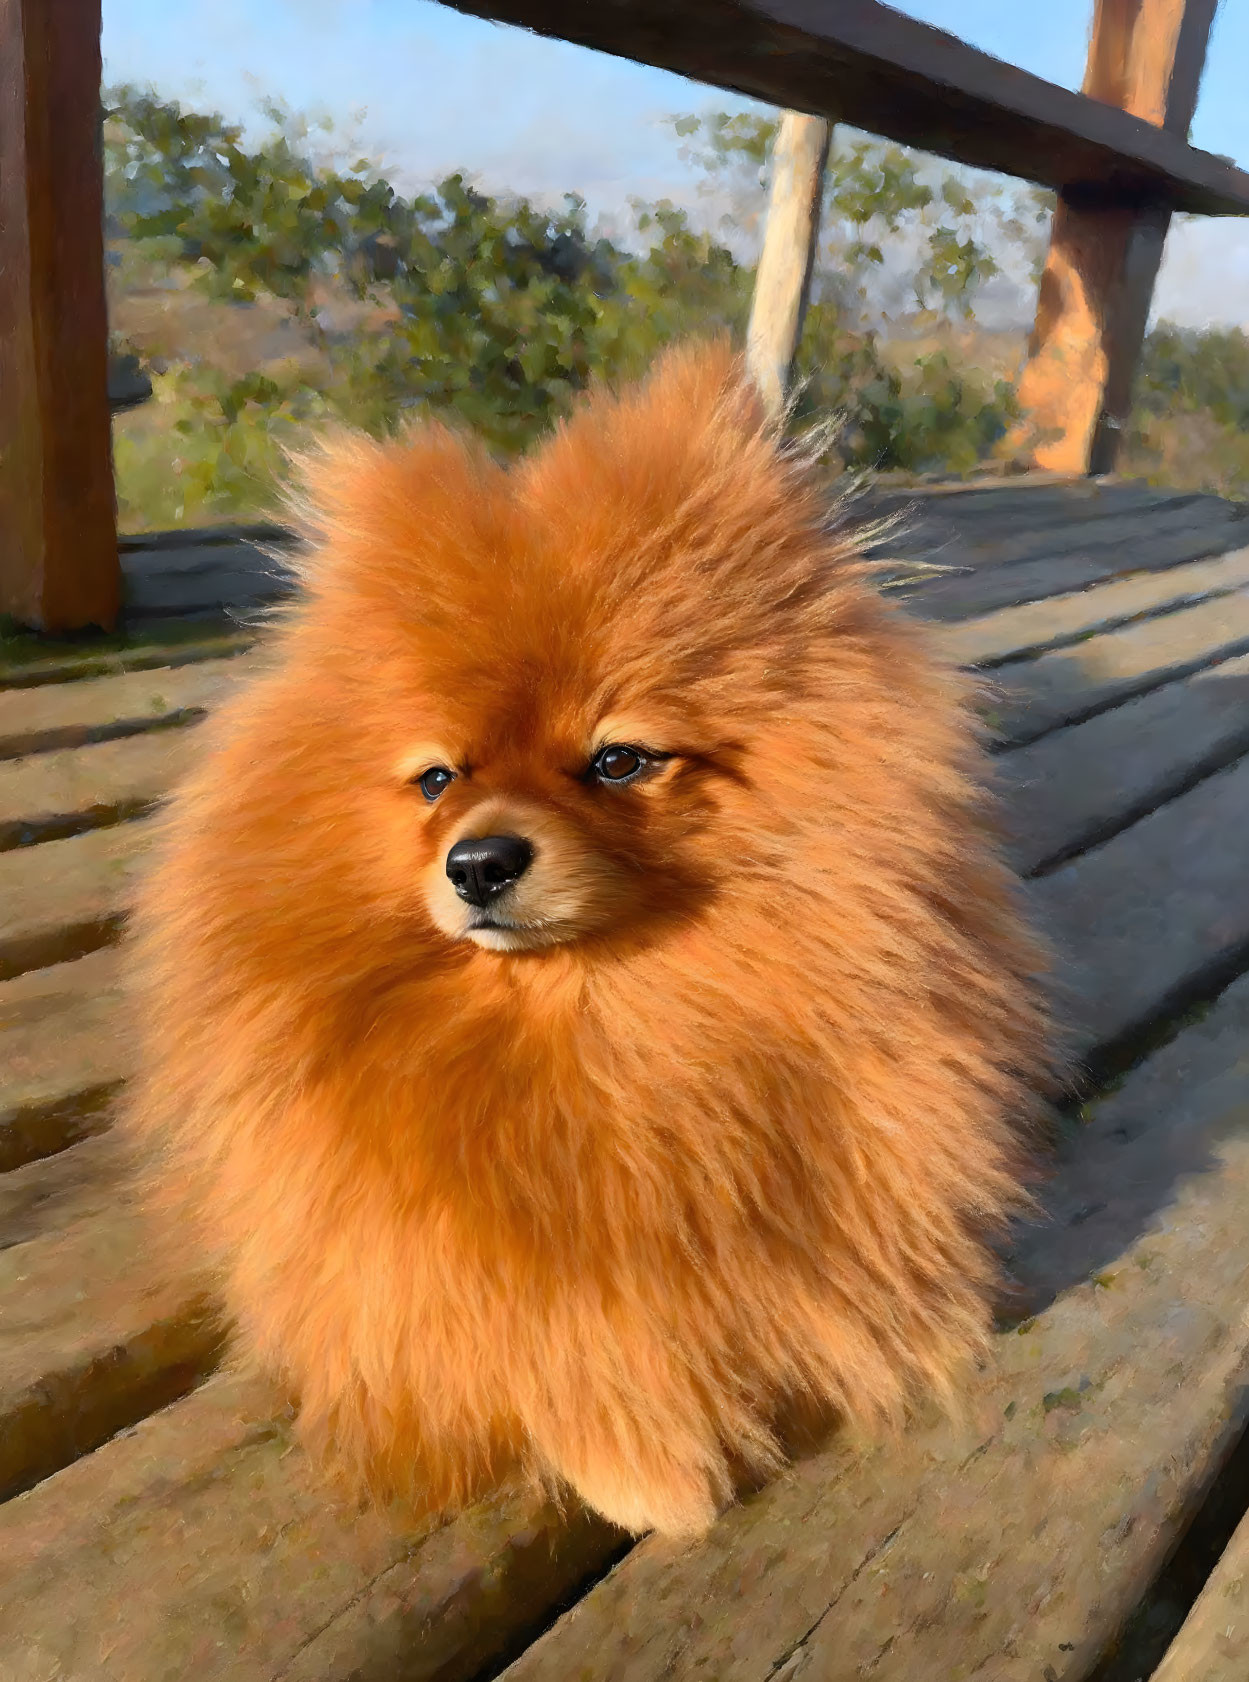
point(947, 228)
point(497, 310)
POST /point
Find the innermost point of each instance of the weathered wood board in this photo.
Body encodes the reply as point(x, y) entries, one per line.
point(871, 66)
point(1213, 1645)
point(1010, 1546)
point(195, 1541)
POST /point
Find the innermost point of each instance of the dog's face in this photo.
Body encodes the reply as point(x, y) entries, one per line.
point(515, 812)
point(540, 839)
point(564, 701)
point(551, 791)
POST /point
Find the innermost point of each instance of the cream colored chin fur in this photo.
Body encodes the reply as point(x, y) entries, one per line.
point(520, 939)
point(603, 1221)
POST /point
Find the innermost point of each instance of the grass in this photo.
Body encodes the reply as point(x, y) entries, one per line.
point(187, 459)
point(1189, 451)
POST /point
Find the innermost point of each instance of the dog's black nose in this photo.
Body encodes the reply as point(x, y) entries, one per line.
point(480, 870)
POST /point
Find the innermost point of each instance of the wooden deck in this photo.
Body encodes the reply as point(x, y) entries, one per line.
point(155, 1522)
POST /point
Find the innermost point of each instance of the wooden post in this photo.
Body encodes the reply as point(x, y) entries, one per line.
point(59, 566)
point(1146, 56)
point(783, 278)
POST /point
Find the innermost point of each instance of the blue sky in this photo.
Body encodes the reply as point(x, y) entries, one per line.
point(439, 91)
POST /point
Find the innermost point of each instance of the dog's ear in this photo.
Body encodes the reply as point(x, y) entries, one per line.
point(320, 480)
point(703, 383)
point(692, 424)
point(350, 495)
point(699, 397)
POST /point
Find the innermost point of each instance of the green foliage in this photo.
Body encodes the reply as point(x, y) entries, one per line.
point(1190, 371)
point(497, 308)
point(933, 415)
point(217, 450)
point(875, 192)
point(497, 311)
point(254, 222)
point(1190, 425)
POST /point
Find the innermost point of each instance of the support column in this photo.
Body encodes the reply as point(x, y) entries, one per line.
point(59, 568)
point(790, 241)
point(1145, 56)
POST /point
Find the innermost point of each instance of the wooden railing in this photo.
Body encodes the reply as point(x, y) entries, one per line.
point(1117, 154)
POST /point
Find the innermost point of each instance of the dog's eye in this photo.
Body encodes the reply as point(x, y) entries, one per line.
point(432, 782)
point(618, 764)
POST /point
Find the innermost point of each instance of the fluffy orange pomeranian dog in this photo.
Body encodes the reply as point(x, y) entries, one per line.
point(586, 1014)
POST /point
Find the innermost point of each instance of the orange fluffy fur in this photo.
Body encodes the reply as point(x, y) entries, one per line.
point(730, 1121)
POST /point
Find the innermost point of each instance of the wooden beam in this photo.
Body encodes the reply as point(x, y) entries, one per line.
point(59, 569)
point(783, 278)
point(864, 64)
point(1093, 306)
point(1213, 1643)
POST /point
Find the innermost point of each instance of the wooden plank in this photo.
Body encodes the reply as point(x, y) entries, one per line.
point(85, 711)
point(65, 715)
point(200, 1545)
point(49, 795)
point(1068, 791)
point(1069, 684)
point(1117, 1167)
point(90, 1341)
point(1023, 543)
point(874, 68)
point(922, 528)
point(1035, 627)
point(1213, 1644)
point(958, 595)
point(63, 899)
point(982, 481)
point(266, 532)
point(192, 581)
point(31, 1132)
point(55, 1192)
point(29, 663)
point(1146, 56)
point(59, 567)
point(1012, 1546)
point(1019, 491)
point(963, 510)
point(1015, 492)
point(65, 1048)
point(1152, 916)
point(983, 484)
point(162, 552)
point(790, 244)
point(194, 577)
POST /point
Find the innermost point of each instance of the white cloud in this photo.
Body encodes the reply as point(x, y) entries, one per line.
point(1204, 279)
